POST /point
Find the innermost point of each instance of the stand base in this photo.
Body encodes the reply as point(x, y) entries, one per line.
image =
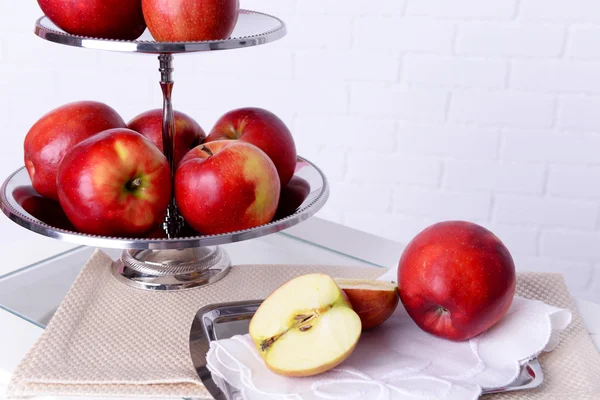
point(172, 269)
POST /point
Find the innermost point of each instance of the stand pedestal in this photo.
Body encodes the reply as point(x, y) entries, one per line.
point(172, 269)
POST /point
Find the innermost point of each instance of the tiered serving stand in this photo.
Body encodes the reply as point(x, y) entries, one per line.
point(181, 259)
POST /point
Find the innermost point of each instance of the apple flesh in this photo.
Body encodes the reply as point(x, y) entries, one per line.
point(456, 279)
point(51, 137)
point(263, 129)
point(188, 134)
point(226, 186)
point(190, 20)
point(373, 301)
point(116, 183)
point(108, 19)
point(305, 327)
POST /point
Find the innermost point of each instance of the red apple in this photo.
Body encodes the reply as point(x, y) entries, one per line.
point(56, 133)
point(116, 183)
point(263, 129)
point(108, 19)
point(373, 301)
point(46, 210)
point(456, 279)
point(188, 134)
point(226, 186)
point(190, 20)
point(292, 196)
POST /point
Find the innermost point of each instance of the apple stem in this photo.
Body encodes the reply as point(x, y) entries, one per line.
point(207, 150)
point(301, 325)
point(268, 342)
point(134, 184)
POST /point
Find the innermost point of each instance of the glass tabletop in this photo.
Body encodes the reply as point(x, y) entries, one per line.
point(35, 292)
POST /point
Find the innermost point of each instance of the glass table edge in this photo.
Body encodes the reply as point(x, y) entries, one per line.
point(341, 253)
point(39, 263)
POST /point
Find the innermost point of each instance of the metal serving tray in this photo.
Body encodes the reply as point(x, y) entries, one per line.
point(224, 320)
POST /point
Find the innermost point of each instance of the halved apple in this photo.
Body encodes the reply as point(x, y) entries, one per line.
point(373, 301)
point(305, 327)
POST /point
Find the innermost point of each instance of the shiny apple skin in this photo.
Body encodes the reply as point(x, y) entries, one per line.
point(190, 20)
point(292, 196)
point(234, 189)
point(456, 279)
point(108, 19)
point(46, 210)
point(188, 133)
point(93, 184)
point(53, 135)
point(263, 129)
point(373, 307)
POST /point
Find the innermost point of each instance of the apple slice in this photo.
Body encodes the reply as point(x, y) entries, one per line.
point(305, 327)
point(373, 301)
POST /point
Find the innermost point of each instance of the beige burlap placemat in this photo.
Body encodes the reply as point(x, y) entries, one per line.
point(108, 339)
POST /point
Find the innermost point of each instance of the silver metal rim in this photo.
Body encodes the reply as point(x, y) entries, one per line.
point(29, 222)
point(151, 47)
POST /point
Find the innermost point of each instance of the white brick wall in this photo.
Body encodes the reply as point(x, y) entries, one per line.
point(574, 181)
point(502, 108)
point(402, 34)
point(584, 43)
point(579, 112)
point(417, 110)
point(442, 205)
point(491, 175)
point(494, 9)
point(545, 212)
point(452, 71)
point(498, 39)
point(395, 101)
point(561, 10)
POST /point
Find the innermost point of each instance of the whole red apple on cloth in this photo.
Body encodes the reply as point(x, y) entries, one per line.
point(53, 135)
point(456, 279)
point(188, 134)
point(396, 360)
point(190, 20)
point(107, 19)
point(116, 183)
point(226, 186)
point(263, 129)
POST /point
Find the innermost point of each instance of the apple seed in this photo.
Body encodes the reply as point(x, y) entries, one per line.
point(301, 320)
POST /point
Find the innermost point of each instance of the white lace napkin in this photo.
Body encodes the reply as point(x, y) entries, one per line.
point(399, 361)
